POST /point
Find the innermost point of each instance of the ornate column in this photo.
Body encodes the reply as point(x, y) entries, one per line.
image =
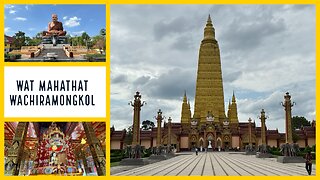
point(15, 153)
point(287, 107)
point(169, 132)
point(250, 132)
point(82, 155)
point(95, 148)
point(159, 119)
point(263, 127)
point(136, 118)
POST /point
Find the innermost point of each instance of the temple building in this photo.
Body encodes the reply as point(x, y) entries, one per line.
point(211, 126)
point(49, 148)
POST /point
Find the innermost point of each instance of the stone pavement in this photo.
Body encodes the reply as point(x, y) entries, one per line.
point(216, 164)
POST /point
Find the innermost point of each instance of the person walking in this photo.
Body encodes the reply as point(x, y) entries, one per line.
point(196, 151)
point(308, 158)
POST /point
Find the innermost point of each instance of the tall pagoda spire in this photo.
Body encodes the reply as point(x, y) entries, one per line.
point(185, 96)
point(209, 32)
point(185, 112)
point(233, 117)
point(209, 88)
point(233, 98)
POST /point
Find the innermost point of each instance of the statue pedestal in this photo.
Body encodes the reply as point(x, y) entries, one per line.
point(158, 157)
point(133, 162)
point(250, 153)
point(264, 155)
point(291, 159)
point(161, 156)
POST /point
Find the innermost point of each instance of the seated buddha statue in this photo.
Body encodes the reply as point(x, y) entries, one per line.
point(55, 28)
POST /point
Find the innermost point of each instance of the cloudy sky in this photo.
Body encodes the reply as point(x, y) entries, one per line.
point(76, 19)
point(266, 50)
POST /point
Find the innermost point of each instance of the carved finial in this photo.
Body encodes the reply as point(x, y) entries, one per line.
point(233, 97)
point(185, 96)
point(209, 19)
point(209, 32)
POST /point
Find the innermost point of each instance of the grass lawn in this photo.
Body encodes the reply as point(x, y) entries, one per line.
point(114, 164)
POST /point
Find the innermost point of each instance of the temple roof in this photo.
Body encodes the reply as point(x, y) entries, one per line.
point(243, 127)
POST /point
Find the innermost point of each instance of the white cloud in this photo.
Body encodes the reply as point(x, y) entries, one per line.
point(26, 7)
point(72, 22)
point(31, 29)
point(12, 11)
point(6, 29)
point(76, 33)
point(20, 19)
point(9, 6)
point(65, 17)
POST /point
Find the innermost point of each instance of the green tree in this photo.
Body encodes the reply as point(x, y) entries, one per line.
point(129, 136)
point(18, 40)
point(102, 42)
point(103, 32)
point(295, 136)
point(298, 121)
point(99, 42)
point(77, 41)
point(147, 125)
point(39, 35)
point(27, 41)
point(69, 39)
point(85, 38)
point(32, 41)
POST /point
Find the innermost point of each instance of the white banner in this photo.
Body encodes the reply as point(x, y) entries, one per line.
point(55, 91)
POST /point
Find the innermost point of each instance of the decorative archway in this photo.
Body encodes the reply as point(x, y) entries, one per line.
point(201, 143)
point(226, 142)
point(210, 141)
point(193, 141)
point(219, 142)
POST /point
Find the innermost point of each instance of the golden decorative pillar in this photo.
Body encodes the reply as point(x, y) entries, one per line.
point(15, 153)
point(169, 132)
point(287, 107)
point(209, 88)
point(250, 131)
point(136, 118)
point(159, 119)
point(263, 127)
point(95, 148)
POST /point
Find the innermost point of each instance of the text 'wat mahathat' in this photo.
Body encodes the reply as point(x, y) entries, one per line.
point(211, 126)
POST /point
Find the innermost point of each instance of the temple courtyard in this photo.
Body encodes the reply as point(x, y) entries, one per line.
point(214, 164)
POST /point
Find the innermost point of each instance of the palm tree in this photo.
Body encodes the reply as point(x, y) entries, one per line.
point(85, 37)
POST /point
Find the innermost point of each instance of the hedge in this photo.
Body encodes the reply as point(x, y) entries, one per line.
point(12, 56)
point(116, 159)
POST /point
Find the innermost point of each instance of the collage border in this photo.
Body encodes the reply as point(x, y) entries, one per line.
point(107, 64)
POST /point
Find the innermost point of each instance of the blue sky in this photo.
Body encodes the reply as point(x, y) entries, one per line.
point(76, 19)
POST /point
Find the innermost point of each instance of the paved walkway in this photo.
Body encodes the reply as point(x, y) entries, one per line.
point(218, 164)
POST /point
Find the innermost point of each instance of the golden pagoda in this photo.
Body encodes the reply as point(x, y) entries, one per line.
point(209, 88)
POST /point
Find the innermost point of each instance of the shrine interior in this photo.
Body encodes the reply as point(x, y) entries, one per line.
point(55, 148)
